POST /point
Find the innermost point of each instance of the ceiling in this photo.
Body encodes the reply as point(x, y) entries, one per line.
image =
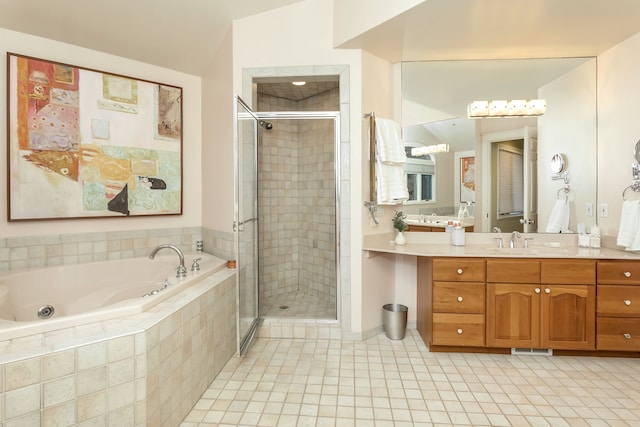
point(475, 29)
point(176, 34)
point(184, 36)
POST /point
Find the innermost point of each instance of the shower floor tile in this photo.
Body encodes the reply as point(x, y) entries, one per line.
point(297, 305)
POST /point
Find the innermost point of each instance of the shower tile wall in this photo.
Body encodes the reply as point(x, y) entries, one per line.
point(296, 182)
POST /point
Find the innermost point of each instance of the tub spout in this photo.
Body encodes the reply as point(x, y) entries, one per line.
point(182, 270)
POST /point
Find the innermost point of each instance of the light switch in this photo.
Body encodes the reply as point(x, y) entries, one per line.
point(604, 210)
point(589, 209)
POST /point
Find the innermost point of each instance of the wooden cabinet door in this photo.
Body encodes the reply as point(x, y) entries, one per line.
point(568, 317)
point(513, 315)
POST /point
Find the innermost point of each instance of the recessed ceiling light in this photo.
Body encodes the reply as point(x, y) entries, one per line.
point(299, 83)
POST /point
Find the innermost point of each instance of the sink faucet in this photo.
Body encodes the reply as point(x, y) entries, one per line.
point(515, 235)
point(182, 270)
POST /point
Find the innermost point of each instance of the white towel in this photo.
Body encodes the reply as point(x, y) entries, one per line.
point(392, 184)
point(559, 218)
point(628, 223)
point(389, 146)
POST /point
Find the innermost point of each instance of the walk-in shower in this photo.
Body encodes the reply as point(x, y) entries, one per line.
point(297, 205)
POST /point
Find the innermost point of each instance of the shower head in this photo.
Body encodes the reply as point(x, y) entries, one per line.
point(266, 125)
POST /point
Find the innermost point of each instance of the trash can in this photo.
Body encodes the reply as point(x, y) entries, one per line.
point(394, 320)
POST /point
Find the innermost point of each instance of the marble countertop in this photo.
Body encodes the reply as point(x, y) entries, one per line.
point(486, 245)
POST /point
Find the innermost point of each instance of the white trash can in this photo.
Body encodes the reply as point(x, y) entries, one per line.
point(394, 320)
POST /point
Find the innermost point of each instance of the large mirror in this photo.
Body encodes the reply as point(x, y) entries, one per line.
point(487, 154)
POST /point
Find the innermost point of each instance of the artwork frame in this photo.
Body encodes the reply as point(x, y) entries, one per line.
point(467, 178)
point(84, 143)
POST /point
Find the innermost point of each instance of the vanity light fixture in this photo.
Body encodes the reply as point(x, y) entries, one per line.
point(504, 108)
point(299, 83)
point(430, 149)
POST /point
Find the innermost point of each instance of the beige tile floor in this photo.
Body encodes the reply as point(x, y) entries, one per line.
point(381, 382)
point(299, 305)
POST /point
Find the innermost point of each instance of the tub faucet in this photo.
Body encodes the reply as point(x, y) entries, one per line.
point(182, 270)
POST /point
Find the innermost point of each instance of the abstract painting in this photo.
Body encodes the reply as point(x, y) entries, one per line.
point(84, 143)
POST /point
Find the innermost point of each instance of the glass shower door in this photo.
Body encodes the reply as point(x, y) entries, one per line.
point(246, 222)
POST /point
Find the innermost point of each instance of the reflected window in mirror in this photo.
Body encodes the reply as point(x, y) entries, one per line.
point(420, 172)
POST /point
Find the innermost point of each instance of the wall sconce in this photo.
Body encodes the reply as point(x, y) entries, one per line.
point(430, 149)
point(503, 108)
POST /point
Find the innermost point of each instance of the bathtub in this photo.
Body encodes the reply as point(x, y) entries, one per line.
point(78, 294)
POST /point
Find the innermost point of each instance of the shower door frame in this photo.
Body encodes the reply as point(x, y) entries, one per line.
point(244, 340)
point(319, 115)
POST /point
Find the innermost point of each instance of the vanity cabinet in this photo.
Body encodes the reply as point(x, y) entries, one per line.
point(535, 303)
point(458, 302)
point(618, 308)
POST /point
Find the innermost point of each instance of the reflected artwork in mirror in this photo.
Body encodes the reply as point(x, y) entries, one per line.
point(435, 97)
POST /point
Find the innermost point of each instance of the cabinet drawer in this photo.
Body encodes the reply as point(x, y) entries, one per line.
point(456, 297)
point(458, 329)
point(619, 272)
point(458, 269)
point(618, 334)
point(568, 271)
point(513, 271)
point(618, 300)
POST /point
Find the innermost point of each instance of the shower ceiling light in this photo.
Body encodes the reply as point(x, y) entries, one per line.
point(299, 83)
point(502, 108)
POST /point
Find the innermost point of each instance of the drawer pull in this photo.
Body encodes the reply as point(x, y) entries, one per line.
point(460, 299)
point(459, 331)
point(547, 291)
point(537, 290)
point(627, 336)
point(459, 271)
point(627, 274)
point(627, 302)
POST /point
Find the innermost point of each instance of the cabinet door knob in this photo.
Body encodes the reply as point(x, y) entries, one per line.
point(459, 271)
point(627, 274)
point(627, 336)
point(547, 291)
point(459, 331)
point(627, 302)
point(537, 290)
point(460, 299)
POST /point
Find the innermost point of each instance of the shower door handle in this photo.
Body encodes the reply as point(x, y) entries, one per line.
point(240, 224)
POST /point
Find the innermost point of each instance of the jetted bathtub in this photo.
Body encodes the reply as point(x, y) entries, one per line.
point(47, 299)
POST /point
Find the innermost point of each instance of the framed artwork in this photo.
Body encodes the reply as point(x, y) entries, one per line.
point(467, 179)
point(83, 143)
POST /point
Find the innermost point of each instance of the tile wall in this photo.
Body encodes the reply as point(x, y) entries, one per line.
point(297, 200)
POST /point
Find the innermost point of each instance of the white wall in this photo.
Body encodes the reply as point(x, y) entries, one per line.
point(618, 126)
point(354, 17)
point(24, 44)
point(569, 127)
point(217, 141)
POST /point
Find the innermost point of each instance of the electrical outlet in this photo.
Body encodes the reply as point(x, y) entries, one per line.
point(589, 209)
point(604, 210)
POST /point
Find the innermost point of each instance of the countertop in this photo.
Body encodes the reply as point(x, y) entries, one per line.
point(484, 245)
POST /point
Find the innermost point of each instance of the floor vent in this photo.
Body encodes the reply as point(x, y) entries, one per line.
point(532, 351)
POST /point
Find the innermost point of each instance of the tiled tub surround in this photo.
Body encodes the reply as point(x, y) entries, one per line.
point(143, 369)
point(29, 252)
